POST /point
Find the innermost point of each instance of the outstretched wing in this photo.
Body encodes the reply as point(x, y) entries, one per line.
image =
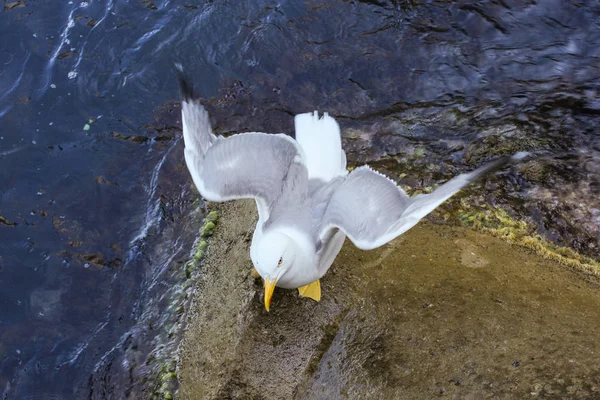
point(250, 165)
point(371, 210)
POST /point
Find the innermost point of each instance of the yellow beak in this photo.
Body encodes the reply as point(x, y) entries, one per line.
point(269, 288)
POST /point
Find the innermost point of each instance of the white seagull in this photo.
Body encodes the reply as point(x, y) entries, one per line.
point(307, 201)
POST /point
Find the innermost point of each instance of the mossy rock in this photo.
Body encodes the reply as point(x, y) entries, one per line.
point(198, 255)
point(170, 376)
point(189, 269)
point(165, 387)
point(168, 366)
point(208, 229)
point(497, 222)
point(212, 216)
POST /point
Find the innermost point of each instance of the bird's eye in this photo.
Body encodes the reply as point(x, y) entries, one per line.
point(280, 261)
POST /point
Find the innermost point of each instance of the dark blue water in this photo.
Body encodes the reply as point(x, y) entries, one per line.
point(95, 201)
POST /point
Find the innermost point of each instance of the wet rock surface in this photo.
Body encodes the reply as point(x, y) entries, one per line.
point(436, 88)
point(96, 196)
point(440, 311)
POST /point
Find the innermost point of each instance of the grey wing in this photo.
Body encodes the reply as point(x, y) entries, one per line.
point(372, 210)
point(249, 165)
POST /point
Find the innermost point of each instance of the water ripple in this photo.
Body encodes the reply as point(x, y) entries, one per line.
point(64, 39)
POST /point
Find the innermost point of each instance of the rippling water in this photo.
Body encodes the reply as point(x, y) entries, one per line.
point(95, 202)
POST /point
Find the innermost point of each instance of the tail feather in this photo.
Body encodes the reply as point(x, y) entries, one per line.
point(321, 141)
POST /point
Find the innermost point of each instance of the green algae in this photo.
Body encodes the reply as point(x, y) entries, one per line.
point(190, 267)
point(207, 230)
point(165, 376)
point(166, 380)
point(498, 222)
point(419, 152)
point(212, 216)
point(169, 376)
point(198, 255)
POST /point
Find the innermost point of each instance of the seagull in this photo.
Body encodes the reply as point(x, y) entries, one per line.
point(307, 201)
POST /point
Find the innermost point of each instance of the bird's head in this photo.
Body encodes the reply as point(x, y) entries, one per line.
point(272, 257)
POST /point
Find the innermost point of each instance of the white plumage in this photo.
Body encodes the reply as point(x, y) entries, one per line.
point(307, 201)
point(320, 139)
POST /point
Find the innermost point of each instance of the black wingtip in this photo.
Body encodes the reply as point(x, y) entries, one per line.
point(186, 86)
point(499, 163)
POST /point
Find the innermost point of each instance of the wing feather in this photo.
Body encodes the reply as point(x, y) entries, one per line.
point(249, 165)
point(372, 210)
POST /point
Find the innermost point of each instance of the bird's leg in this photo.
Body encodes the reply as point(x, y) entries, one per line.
point(312, 290)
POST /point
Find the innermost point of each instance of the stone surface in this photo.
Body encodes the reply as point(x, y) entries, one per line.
point(440, 311)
